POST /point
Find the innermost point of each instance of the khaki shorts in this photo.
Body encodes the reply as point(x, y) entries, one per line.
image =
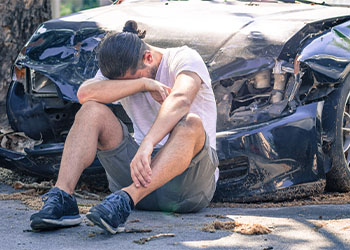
point(188, 192)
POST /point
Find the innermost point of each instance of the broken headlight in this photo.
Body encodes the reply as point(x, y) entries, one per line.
point(42, 85)
point(19, 74)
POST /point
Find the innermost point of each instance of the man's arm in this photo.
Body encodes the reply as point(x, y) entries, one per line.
point(175, 106)
point(107, 91)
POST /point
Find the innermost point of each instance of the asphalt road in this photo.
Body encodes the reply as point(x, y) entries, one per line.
point(304, 227)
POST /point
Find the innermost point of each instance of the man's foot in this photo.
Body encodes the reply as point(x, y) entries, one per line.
point(112, 212)
point(60, 210)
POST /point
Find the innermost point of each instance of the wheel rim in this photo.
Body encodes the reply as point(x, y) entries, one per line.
point(346, 130)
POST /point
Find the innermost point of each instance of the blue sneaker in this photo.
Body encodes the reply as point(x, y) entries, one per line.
point(60, 210)
point(112, 212)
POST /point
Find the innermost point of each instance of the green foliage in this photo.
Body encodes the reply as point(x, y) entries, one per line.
point(70, 6)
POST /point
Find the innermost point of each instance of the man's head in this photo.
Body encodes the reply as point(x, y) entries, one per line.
point(125, 55)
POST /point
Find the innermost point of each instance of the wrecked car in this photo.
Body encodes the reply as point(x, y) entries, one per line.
point(280, 74)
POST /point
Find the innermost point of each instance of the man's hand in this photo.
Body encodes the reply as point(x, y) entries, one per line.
point(140, 165)
point(157, 90)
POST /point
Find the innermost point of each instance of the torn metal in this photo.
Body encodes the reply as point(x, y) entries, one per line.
point(272, 67)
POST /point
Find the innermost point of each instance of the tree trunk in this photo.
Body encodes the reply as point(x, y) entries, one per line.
point(18, 21)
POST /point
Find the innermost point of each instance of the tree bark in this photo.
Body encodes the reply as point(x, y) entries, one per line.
point(18, 21)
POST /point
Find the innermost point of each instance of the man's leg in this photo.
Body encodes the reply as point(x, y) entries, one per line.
point(185, 141)
point(95, 126)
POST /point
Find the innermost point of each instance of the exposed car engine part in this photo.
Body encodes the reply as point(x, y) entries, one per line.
point(262, 79)
point(275, 70)
point(279, 84)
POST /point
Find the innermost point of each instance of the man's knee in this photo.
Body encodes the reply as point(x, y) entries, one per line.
point(92, 109)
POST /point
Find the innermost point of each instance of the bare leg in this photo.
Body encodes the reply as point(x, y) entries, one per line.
point(95, 126)
point(185, 141)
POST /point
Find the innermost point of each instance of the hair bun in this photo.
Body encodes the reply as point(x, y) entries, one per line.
point(131, 26)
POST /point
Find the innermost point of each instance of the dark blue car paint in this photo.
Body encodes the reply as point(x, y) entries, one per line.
point(279, 154)
point(43, 160)
point(277, 149)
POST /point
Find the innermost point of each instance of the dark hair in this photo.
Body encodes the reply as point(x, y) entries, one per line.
point(123, 51)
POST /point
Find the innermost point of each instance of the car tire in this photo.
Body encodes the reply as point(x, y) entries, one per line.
point(337, 117)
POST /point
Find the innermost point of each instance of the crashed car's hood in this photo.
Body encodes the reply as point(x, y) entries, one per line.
point(232, 33)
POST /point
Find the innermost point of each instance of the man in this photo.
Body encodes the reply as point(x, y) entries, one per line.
point(170, 162)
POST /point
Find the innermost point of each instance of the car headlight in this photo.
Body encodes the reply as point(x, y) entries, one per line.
point(19, 74)
point(42, 85)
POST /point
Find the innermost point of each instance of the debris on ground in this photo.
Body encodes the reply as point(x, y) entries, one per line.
point(237, 227)
point(28, 231)
point(9, 177)
point(134, 221)
point(137, 230)
point(320, 199)
point(16, 141)
point(131, 230)
point(30, 198)
point(144, 240)
point(217, 216)
point(84, 208)
point(44, 185)
point(91, 234)
point(87, 195)
point(37, 186)
point(96, 184)
point(97, 189)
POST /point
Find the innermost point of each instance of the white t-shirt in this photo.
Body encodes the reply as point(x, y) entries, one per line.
point(143, 109)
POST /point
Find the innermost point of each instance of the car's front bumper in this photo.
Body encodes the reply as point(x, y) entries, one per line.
point(272, 156)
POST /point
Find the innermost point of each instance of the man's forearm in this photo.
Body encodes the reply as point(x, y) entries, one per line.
point(175, 106)
point(171, 112)
point(107, 91)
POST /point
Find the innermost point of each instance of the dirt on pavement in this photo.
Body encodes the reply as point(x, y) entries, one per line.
point(237, 227)
point(32, 198)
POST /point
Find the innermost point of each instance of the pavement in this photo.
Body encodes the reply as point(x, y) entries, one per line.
point(300, 227)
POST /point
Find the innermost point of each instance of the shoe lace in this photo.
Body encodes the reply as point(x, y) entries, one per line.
point(53, 198)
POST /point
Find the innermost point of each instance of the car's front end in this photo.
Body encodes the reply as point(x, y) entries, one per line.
point(273, 67)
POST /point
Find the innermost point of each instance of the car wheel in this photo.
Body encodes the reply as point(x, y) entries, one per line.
point(338, 178)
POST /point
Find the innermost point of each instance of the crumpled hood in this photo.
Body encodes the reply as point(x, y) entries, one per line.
point(227, 35)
